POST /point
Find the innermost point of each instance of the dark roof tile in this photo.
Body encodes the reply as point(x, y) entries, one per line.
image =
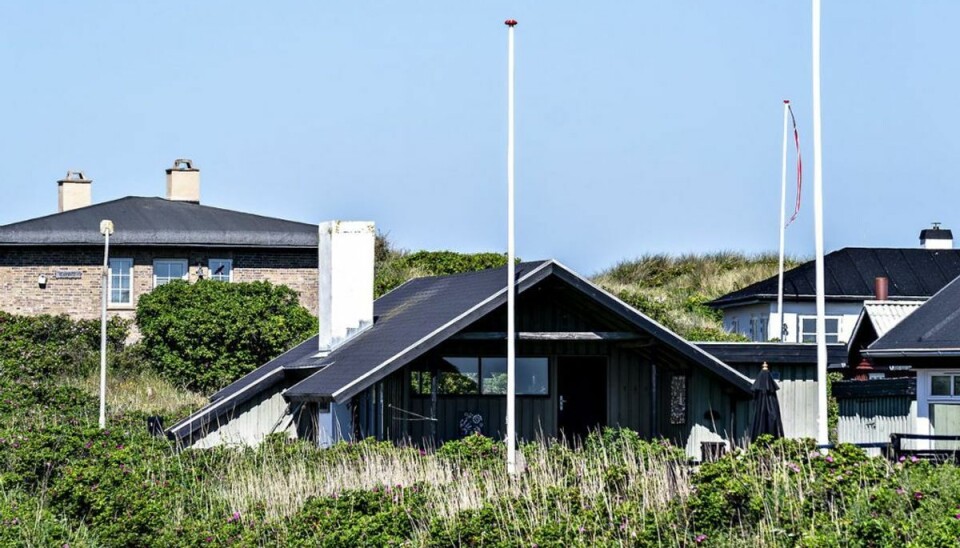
point(157, 221)
point(850, 273)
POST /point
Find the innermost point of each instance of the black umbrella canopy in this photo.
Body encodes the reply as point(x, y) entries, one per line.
point(766, 407)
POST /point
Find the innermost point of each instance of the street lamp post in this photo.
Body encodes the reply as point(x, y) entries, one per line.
point(106, 228)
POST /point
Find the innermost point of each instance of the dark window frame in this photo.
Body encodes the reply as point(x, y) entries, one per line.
point(433, 370)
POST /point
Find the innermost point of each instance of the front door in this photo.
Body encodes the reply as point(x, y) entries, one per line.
point(581, 395)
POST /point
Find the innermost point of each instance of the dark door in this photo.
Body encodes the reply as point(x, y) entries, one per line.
point(581, 395)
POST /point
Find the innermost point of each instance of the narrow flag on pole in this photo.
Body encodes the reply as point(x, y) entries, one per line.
point(796, 140)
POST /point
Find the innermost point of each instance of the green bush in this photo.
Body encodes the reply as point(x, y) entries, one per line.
point(383, 516)
point(55, 345)
point(394, 267)
point(210, 333)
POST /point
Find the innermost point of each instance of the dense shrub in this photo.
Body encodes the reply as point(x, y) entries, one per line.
point(55, 345)
point(383, 516)
point(208, 334)
point(394, 267)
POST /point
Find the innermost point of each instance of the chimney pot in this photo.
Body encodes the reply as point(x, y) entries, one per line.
point(183, 181)
point(881, 288)
point(73, 191)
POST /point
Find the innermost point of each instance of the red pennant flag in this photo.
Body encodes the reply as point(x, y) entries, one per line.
point(796, 140)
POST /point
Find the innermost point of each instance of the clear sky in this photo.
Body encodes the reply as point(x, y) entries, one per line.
point(641, 127)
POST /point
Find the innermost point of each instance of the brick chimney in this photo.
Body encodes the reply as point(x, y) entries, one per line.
point(73, 191)
point(183, 181)
point(936, 238)
point(346, 280)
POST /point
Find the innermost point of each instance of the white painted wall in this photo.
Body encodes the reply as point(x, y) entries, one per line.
point(334, 424)
point(346, 258)
point(792, 313)
point(249, 423)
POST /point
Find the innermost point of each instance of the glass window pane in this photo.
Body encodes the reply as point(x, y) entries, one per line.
point(119, 280)
point(459, 376)
point(956, 385)
point(532, 376)
point(494, 375)
point(220, 269)
point(940, 385)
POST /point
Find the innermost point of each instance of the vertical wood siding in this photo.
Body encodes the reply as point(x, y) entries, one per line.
point(248, 423)
point(797, 396)
point(865, 420)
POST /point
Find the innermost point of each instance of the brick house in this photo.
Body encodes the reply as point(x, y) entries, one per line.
point(52, 264)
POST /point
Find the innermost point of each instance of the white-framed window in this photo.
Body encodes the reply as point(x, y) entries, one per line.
point(734, 325)
point(167, 270)
point(221, 269)
point(938, 407)
point(808, 329)
point(120, 287)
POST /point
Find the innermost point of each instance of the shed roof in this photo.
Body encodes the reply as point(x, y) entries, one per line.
point(849, 274)
point(884, 315)
point(154, 221)
point(931, 330)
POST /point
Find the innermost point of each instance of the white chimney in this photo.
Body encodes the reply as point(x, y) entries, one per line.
point(183, 181)
point(73, 191)
point(346, 280)
point(936, 238)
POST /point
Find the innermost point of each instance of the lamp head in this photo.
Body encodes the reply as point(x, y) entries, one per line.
point(106, 227)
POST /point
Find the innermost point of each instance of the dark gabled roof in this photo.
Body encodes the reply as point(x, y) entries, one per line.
point(411, 320)
point(772, 353)
point(421, 314)
point(849, 274)
point(931, 330)
point(159, 222)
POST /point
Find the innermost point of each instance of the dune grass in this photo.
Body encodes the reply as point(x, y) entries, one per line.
point(674, 289)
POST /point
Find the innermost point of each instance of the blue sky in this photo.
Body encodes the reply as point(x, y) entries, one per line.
point(641, 127)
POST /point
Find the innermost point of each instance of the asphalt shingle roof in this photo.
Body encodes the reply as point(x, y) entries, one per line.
point(849, 273)
point(417, 316)
point(159, 222)
point(931, 330)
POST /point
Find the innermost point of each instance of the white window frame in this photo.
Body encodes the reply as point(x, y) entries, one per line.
point(210, 269)
point(110, 302)
point(801, 332)
point(925, 398)
point(186, 269)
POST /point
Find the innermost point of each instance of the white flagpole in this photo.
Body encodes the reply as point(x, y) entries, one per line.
point(783, 227)
point(511, 437)
point(823, 436)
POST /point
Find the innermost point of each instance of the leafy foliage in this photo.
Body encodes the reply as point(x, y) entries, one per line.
point(55, 345)
point(394, 266)
point(208, 334)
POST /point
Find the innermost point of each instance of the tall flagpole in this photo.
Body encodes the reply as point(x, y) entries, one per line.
point(823, 436)
point(783, 220)
point(511, 437)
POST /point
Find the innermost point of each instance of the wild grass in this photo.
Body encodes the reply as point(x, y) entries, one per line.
point(673, 289)
point(140, 391)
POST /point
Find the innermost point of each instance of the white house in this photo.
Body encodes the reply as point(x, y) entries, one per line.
point(853, 275)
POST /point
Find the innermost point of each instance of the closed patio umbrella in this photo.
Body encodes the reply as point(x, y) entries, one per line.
point(766, 407)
